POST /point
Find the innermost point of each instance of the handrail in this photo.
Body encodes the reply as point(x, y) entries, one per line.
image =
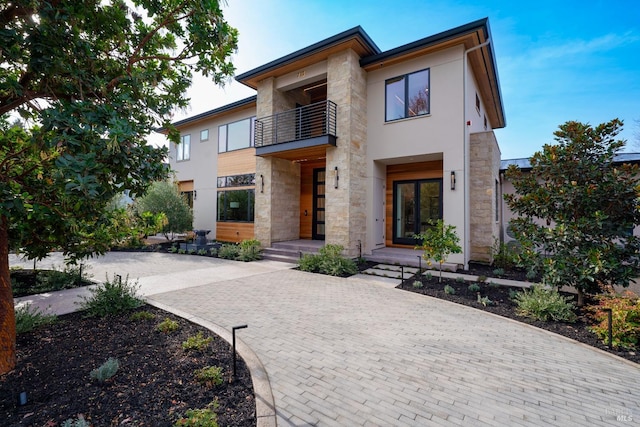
point(308, 121)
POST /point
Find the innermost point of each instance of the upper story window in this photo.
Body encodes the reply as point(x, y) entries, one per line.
point(183, 150)
point(236, 135)
point(204, 134)
point(407, 96)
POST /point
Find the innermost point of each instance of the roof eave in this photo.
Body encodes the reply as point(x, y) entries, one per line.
point(249, 77)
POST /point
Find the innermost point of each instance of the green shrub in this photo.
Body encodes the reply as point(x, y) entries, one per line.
point(173, 249)
point(77, 422)
point(142, 315)
point(209, 376)
point(72, 276)
point(29, 318)
point(229, 251)
point(213, 251)
point(199, 418)
point(544, 304)
point(428, 275)
point(499, 272)
point(112, 297)
point(625, 319)
point(105, 371)
point(484, 300)
point(448, 289)
point(196, 342)
point(191, 251)
point(481, 279)
point(249, 250)
point(474, 287)
point(182, 251)
point(167, 326)
point(417, 284)
point(460, 279)
point(329, 261)
point(309, 262)
point(202, 252)
point(505, 256)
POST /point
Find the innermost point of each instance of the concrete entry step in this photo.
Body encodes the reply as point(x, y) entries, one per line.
point(291, 251)
point(393, 271)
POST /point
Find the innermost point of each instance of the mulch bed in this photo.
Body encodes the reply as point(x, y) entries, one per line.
point(504, 306)
point(154, 386)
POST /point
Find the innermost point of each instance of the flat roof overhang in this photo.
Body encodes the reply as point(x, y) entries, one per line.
point(300, 150)
point(355, 38)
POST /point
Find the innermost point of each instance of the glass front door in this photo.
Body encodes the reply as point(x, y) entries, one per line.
point(415, 205)
point(319, 178)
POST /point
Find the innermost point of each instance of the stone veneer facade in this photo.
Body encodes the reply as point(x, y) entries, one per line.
point(346, 205)
point(484, 170)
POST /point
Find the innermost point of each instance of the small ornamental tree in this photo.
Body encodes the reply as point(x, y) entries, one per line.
point(438, 242)
point(164, 197)
point(577, 208)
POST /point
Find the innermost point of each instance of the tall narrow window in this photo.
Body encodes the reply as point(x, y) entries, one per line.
point(183, 150)
point(407, 96)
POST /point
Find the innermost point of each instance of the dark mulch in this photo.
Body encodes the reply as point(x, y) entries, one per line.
point(504, 306)
point(154, 386)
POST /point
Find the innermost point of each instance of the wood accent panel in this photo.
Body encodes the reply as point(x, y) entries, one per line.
point(234, 231)
point(237, 162)
point(306, 196)
point(405, 172)
point(185, 185)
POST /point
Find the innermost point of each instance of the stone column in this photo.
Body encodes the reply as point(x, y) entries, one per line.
point(346, 205)
point(277, 203)
point(484, 173)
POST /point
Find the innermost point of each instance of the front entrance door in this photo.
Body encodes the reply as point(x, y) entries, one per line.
point(319, 178)
point(415, 204)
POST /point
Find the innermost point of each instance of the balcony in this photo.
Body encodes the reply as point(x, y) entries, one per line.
point(302, 133)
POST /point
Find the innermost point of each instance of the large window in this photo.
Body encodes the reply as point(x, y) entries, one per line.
point(235, 205)
point(236, 135)
point(407, 96)
point(183, 150)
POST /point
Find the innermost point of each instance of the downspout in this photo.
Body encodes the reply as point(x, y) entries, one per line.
point(467, 155)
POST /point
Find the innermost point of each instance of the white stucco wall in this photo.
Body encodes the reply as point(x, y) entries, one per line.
point(202, 167)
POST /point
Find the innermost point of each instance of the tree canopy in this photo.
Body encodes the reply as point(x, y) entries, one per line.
point(92, 79)
point(577, 208)
point(164, 197)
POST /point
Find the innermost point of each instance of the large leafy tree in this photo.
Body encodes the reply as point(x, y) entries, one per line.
point(92, 78)
point(576, 208)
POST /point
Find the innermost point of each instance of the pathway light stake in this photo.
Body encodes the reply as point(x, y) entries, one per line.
point(119, 278)
point(420, 264)
point(233, 334)
point(609, 327)
point(402, 272)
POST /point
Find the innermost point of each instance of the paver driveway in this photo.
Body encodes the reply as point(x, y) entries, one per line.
point(353, 352)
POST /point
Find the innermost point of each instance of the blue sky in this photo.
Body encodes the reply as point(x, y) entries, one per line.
point(557, 61)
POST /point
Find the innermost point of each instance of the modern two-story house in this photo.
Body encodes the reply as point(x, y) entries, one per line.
point(346, 144)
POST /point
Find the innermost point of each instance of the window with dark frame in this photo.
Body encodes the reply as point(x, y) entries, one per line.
point(204, 135)
point(236, 135)
point(237, 180)
point(407, 96)
point(236, 205)
point(477, 103)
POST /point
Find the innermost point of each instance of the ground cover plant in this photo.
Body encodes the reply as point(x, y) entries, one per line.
point(155, 382)
point(581, 325)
